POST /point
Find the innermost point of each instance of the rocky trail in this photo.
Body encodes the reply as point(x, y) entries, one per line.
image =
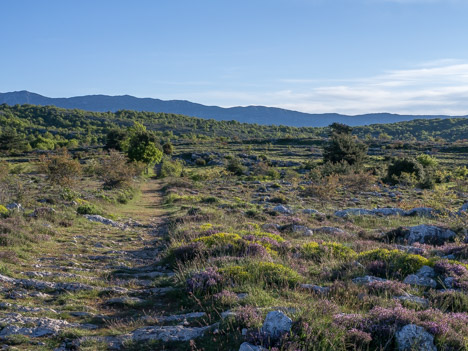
point(103, 287)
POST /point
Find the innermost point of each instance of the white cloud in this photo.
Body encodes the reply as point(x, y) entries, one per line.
point(438, 87)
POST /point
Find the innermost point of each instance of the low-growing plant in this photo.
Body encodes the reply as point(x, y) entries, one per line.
point(266, 273)
point(3, 210)
point(392, 262)
point(234, 166)
point(205, 282)
point(449, 300)
point(171, 168)
point(329, 250)
point(88, 209)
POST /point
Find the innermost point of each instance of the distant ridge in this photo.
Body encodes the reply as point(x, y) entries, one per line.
point(249, 114)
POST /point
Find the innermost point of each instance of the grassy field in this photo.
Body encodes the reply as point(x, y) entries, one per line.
point(196, 261)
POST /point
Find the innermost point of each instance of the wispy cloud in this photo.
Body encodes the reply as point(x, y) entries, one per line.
point(439, 87)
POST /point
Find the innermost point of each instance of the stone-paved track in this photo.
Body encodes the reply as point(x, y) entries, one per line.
point(99, 287)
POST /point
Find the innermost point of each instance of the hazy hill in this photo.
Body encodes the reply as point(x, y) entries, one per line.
point(249, 114)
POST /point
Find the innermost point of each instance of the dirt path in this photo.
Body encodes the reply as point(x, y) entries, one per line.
point(99, 285)
point(147, 208)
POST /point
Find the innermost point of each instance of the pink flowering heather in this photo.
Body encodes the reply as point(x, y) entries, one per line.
point(206, 281)
point(391, 287)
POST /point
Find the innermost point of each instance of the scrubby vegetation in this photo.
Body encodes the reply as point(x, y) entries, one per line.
point(162, 232)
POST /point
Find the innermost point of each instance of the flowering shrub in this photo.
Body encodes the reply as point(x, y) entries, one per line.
point(264, 241)
point(394, 262)
point(205, 282)
point(275, 237)
point(450, 269)
point(248, 317)
point(455, 270)
point(226, 297)
point(3, 210)
point(268, 273)
point(219, 239)
point(186, 253)
point(391, 287)
point(316, 251)
point(449, 329)
point(257, 250)
point(206, 227)
point(358, 338)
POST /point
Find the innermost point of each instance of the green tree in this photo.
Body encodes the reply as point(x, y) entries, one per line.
point(11, 140)
point(168, 148)
point(142, 146)
point(344, 147)
point(115, 139)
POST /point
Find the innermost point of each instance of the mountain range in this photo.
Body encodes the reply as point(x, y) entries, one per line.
point(248, 114)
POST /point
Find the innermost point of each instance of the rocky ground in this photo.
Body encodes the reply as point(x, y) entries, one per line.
point(97, 282)
point(271, 259)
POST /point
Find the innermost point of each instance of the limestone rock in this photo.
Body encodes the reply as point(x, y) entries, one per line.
point(423, 234)
point(169, 333)
point(329, 230)
point(464, 208)
point(124, 301)
point(352, 212)
point(276, 324)
point(316, 288)
point(426, 271)
point(388, 211)
point(414, 279)
point(414, 299)
point(103, 220)
point(368, 279)
point(311, 211)
point(414, 338)
point(283, 209)
point(245, 346)
point(302, 229)
point(14, 207)
point(422, 212)
point(17, 324)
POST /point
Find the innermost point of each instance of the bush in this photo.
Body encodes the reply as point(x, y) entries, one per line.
point(205, 282)
point(344, 147)
point(394, 262)
point(115, 139)
point(261, 245)
point(200, 162)
point(4, 170)
point(324, 188)
point(125, 195)
point(168, 148)
point(88, 209)
point(357, 181)
point(268, 273)
point(264, 171)
point(234, 166)
point(219, 239)
point(185, 253)
point(60, 168)
point(3, 210)
point(115, 170)
point(427, 161)
point(403, 169)
point(171, 168)
point(449, 300)
point(329, 250)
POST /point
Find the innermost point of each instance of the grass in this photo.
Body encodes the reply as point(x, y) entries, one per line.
point(228, 215)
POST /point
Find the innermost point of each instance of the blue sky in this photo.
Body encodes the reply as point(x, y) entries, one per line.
point(346, 56)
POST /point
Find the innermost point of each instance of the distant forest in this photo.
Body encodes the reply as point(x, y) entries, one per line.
point(27, 127)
